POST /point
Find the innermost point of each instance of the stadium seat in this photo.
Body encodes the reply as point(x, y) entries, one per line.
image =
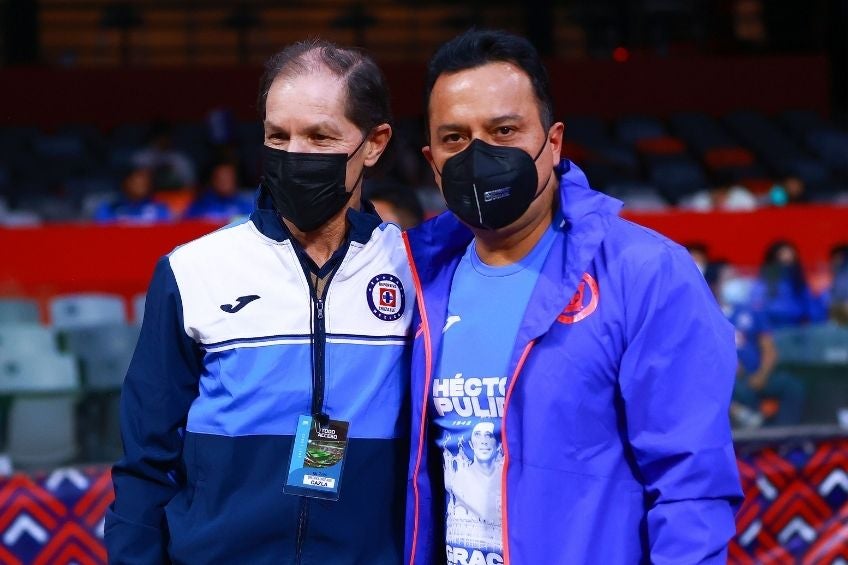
point(677, 178)
point(824, 344)
point(831, 146)
point(586, 130)
point(16, 310)
point(105, 353)
point(801, 122)
point(138, 302)
point(631, 129)
point(40, 427)
point(41, 373)
point(25, 339)
point(85, 310)
point(700, 131)
point(811, 171)
point(638, 196)
point(727, 157)
point(42, 431)
point(663, 145)
point(818, 355)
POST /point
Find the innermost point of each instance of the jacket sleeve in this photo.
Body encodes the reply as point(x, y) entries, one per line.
point(676, 380)
point(161, 383)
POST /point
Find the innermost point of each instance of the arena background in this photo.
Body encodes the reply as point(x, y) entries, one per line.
point(720, 123)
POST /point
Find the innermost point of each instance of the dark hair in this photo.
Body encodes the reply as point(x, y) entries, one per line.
point(477, 47)
point(772, 273)
point(840, 250)
point(399, 196)
point(367, 102)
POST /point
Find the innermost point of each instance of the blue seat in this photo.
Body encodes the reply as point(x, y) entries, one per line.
point(832, 146)
point(86, 310)
point(677, 178)
point(28, 339)
point(801, 122)
point(638, 196)
point(35, 374)
point(700, 131)
point(138, 303)
point(811, 171)
point(586, 130)
point(18, 310)
point(105, 353)
point(631, 129)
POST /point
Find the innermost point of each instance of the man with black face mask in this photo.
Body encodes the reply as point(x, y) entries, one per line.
point(590, 347)
point(263, 414)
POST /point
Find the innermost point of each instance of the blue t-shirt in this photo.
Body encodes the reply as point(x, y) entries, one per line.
point(750, 325)
point(485, 311)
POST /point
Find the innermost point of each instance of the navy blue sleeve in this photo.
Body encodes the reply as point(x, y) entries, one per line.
point(676, 380)
point(161, 383)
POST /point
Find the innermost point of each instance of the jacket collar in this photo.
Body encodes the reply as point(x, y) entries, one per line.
point(437, 246)
point(264, 216)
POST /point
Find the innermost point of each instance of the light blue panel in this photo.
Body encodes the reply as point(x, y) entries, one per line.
point(263, 390)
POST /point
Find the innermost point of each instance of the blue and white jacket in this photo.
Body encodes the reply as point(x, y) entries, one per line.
point(616, 436)
point(222, 371)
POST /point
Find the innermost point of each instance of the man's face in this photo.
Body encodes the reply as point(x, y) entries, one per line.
point(483, 444)
point(224, 180)
point(496, 104)
point(305, 114)
point(138, 185)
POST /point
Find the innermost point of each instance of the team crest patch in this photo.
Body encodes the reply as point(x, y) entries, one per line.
point(385, 297)
point(583, 303)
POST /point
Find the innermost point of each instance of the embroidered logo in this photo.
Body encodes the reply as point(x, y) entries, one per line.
point(385, 297)
point(241, 302)
point(583, 303)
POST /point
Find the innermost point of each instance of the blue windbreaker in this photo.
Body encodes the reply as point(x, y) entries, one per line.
point(616, 437)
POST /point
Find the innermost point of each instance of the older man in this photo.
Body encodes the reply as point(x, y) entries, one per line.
point(262, 412)
point(590, 345)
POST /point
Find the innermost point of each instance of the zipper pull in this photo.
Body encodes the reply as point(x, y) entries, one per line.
point(320, 306)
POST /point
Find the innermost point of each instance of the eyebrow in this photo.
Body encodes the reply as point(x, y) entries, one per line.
point(324, 125)
point(444, 128)
point(505, 118)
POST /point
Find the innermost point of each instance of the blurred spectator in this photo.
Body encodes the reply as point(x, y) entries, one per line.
point(221, 200)
point(734, 198)
point(135, 203)
point(761, 394)
point(835, 298)
point(781, 292)
point(171, 168)
point(397, 204)
point(699, 254)
point(789, 191)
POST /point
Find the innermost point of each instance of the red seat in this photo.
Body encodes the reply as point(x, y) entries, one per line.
point(665, 145)
point(726, 157)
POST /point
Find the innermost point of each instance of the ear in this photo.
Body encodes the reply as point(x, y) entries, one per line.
point(428, 154)
point(378, 140)
point(555, 137)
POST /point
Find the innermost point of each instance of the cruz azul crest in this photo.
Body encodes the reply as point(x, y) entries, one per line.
point(385, 297)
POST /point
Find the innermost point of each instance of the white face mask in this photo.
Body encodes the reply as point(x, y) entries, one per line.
point(735, 291)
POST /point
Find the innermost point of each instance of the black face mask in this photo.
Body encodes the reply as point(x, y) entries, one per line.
point(307, 188)
point(490, 186)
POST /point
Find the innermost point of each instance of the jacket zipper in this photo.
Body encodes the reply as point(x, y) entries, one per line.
point(504, 521)
point(319, 344)
point(319, 341)
point(302, 519)
point(428, 369)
